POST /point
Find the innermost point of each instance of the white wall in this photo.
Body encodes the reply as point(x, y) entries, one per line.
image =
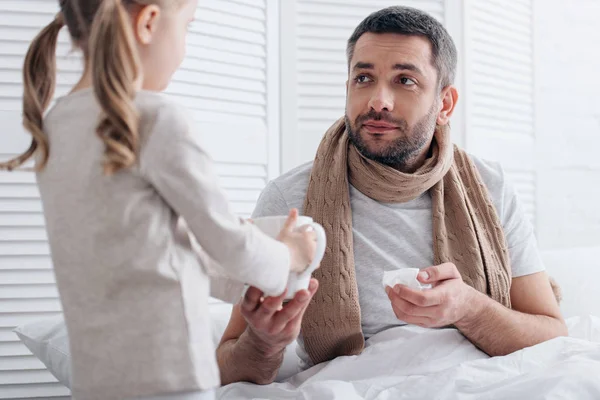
point(567, 108)
point(567, 66)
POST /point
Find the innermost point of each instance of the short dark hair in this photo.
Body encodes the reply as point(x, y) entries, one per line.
point(412, 22)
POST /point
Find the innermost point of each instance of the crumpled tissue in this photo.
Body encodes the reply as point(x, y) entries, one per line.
point(404, 276)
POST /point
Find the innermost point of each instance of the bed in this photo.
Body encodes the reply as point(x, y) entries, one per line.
point(414, 363)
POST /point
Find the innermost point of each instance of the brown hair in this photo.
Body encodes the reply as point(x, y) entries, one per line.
point(115, 68)
point(102, 30)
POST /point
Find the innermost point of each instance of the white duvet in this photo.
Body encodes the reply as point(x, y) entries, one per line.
point(415, 363)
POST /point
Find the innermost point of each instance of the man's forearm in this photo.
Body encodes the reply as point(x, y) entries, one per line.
point(498, 330)
point(247, 359)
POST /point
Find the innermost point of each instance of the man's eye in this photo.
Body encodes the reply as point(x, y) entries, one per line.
point(362, 79)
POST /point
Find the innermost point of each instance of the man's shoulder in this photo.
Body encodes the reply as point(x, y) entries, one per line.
point(294, 178)
point(493, 177)
point(285, 192)
point(491, 172)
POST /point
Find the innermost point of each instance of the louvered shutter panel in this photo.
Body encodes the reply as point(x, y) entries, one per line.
point(27, 290)
point(223, 81)
point(314, 69)
point(226, 81)
point(500, 90)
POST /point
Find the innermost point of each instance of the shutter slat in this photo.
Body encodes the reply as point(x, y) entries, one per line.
point(242, 183)
point(7, 335)
point(509, 61)
point(25, 248)
point(324, 57)
point(519, 7)
point(323, 102)
point(20, 363)
point(18, 191)
point(248, 170)
point(14, 320)
point(203, 53)
point(25, 262)
point(224, 69)
point(356, 11)
point(23, 277)
point(209, 80)
point(326, 67)
point(19, 205)
point(28, 291)
point(501, 20)
point(21, 219)
point(34, 390)
point(482, 124)
point(29, 305)
point(20, 233)
point(258, 4)
point(227, 45)
point(525, 183)
point(241, 195)
point(194, 102)
point(236, 8)
point(230, 20)
point(211, 29)
point(31, 7)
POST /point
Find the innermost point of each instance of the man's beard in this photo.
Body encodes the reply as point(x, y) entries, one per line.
point(402, 150)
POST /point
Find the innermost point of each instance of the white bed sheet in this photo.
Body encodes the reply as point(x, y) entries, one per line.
point(415, 363)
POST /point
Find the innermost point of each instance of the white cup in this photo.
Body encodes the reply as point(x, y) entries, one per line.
point(273, 225)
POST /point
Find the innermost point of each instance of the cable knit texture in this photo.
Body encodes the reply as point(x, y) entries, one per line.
point(466, 231)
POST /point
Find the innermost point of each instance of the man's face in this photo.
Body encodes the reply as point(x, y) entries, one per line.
point(393, 97)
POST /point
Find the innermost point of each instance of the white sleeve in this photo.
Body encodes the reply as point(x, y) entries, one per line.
point(522, 245)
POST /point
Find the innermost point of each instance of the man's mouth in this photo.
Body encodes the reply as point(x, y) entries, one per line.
point(378, 127)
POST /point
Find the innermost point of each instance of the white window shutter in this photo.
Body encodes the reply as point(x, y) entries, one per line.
point(500, 90)
point(229, 81)
point(314, 66)
point(225, 82)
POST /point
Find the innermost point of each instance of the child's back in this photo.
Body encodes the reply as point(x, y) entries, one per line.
point(119, 262)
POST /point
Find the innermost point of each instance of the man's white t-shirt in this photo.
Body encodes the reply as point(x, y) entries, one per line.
point(392, 236)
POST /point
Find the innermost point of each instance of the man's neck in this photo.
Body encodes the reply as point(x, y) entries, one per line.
point(415, 162)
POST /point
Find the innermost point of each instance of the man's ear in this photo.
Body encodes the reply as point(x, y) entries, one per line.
point(449, 97)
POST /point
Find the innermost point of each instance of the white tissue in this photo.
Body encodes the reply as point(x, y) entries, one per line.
point(406, 277)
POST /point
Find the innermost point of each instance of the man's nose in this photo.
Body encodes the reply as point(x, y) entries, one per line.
point(382, 99)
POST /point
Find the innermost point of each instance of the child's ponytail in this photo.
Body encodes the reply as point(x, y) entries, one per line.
point(115, 69)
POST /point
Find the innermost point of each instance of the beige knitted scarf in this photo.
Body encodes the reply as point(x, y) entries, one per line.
point(466, 231)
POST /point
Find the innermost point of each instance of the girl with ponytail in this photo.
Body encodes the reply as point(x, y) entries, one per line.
point(134, 215)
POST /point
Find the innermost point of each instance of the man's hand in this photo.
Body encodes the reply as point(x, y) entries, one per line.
point(254, 342)
point(449, 301)
point(271, 324)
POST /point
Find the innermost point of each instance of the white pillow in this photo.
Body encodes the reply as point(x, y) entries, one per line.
point(48, 340)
